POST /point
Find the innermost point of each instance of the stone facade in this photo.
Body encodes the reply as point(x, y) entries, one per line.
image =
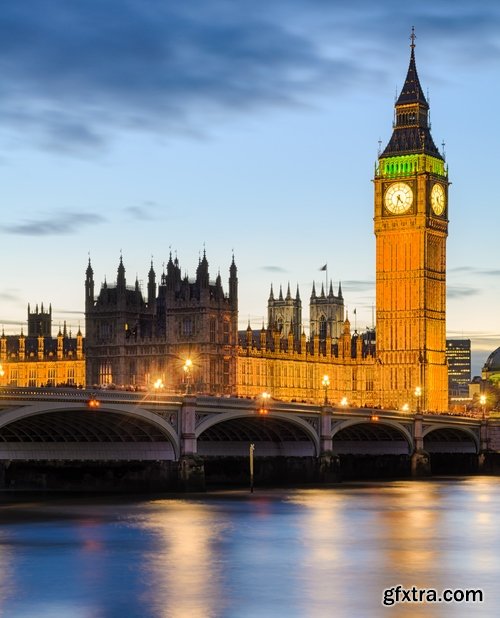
point(134, 341)
point(39, 359)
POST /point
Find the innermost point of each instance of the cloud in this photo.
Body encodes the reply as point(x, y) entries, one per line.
point(454, 292)
point(274, 269)
point(354, 285)
point(10, 296)
point(472, 270)
point(142, 212)
point(489, 273)
point(58, 224)
point(13, 322)
point(75, 75)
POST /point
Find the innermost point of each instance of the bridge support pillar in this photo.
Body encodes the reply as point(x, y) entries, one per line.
point(420, 464)
point(420, 459)
point(329, 468)
point(329, 464)
point(191, 473)
point(326, 443)
point(191, 466)
point(188, 423)
point(483, 436)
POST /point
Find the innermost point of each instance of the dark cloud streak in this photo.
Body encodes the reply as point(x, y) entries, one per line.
point(64, 223)
point(74, 73)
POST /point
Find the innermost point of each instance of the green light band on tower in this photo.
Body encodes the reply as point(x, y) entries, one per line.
point(408, 165)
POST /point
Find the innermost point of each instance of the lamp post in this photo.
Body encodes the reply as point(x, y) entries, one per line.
point(157, 385)
point(418, 394)
point(187, 367)
point(264, 398)
point(482, 401)
point(326, 383)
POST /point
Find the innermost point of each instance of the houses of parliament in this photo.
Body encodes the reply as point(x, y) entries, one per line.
point(182, 334)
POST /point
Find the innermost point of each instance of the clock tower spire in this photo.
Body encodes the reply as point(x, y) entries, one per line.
point(411, 226)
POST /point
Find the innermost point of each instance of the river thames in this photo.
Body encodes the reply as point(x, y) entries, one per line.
point(294, 553)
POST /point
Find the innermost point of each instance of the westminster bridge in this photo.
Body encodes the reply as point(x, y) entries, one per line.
point(50, 437)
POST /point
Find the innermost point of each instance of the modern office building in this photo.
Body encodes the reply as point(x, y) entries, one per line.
point(458, 355)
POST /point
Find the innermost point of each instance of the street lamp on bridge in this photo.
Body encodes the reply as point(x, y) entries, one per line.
point(325, 383)
point(482, 401)
point(187, 368)
point(264, 401)
point(418, 394)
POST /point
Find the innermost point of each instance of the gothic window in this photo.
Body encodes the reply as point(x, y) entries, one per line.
point(105, 373)
point(51, 377)
point(32, 377)
point(71, 375)
point(213, 373)
point(187, 327)
point(225, 373)
point(225, 333)
point(322, 327)
point(212, 330)
point(105, 331)
point(279, 323)
point(369, 380)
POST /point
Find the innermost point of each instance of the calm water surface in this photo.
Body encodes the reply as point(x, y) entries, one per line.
point(305, 553)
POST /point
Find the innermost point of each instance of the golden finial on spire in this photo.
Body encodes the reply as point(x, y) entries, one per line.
point(413, 36)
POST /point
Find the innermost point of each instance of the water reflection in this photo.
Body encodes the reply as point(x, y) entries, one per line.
point(305, 553)
point(182, 569)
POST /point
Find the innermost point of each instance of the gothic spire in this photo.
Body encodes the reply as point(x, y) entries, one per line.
point(412, 90)
point(411, 134)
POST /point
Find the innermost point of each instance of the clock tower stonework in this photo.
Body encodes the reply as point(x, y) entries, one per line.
point(411, 226)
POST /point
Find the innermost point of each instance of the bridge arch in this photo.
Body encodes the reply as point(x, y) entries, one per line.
point(72, 431)
point(275, 434)
point(442, 438)
point(363, 436)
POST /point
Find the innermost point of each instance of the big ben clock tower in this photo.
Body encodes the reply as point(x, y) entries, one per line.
point(411, 226)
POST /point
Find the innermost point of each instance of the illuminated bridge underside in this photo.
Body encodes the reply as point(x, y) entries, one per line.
point(370, 439)
point(81, 435)
point(449, 440)
point(271, 437)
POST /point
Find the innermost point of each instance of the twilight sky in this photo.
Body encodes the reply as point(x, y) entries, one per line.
point(144, 126)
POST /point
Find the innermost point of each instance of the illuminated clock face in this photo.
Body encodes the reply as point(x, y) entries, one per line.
point(398, 198)
point(438, 199)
